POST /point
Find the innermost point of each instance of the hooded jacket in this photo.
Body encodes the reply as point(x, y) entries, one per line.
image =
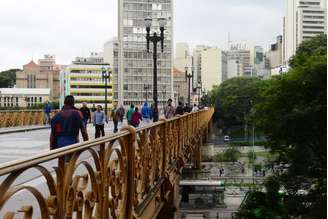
point(145, 111)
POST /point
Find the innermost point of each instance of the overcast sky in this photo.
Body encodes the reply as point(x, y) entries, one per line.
point(69, 28)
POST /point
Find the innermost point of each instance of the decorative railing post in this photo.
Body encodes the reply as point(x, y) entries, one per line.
point(130, 192)
point(164, 147)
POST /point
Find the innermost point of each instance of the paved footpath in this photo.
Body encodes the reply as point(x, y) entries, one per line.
point(19, 145)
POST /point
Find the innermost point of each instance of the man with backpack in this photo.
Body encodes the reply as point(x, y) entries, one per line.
point(66, 125)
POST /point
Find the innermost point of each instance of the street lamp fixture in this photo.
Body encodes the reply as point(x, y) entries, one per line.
point(199, 88)
point(105, 76)
point(146, 88)
point(155, 39)
point(189, 77)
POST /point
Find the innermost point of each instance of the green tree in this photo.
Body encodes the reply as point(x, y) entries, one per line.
point(292, 114)
point(234, 98)
point(231, 154)
point(8, 78)
point(251, 157)
point(268, 204)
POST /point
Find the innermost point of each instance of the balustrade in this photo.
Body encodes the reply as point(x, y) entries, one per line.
point(13, 118)
point(130, 174)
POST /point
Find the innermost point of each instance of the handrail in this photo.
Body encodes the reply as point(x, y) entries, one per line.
point(13, 118)
point(15, 165)
point(143, 173)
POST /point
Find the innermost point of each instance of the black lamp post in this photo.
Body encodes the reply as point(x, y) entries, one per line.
point(164, 94)
point(155, 39)
point(189, 77)
point(177, 95)
point(105, 76)
point(199, 88)
point(146, 87)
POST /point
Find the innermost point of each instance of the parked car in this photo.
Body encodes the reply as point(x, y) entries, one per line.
point(226, 138)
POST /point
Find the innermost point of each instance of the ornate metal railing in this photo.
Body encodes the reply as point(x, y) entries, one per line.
point(13, 118)
point(130, 174)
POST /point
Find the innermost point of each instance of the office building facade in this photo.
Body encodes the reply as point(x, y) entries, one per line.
point(83, 80)
point(276, 53)
point(133, 65)
point(213, 67)
point(304, 19)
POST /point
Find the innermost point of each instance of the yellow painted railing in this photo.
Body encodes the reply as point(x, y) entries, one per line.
point(13, 118)
point(130, 174)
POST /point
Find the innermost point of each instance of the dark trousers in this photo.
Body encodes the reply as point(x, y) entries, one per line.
point(99, 130)
point(115, 126)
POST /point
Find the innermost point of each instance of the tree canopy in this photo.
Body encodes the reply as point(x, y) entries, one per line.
point(234, 98)
point(292, 114)
point(8, 78)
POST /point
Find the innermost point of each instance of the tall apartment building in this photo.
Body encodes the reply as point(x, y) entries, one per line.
point(275, 54)
point(133, 65)
point(45, 74)
point(304, 19)
point(239, 62)
point(181, 50)
point(83, 80)
point(213, 67)
point(182, 58)
point(197, 61)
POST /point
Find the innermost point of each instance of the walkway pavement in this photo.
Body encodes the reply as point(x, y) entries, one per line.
point(17, 143)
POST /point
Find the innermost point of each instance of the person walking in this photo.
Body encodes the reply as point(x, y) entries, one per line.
point(195, 108)
point(47, 112)
point(129, 114)
point(179, 110)
point(121, 112)
point(187, 108)
point(99, 119)
point(66, 124)
point(115, 117)
point(86, 114)
point(93, 108)
point(151, 111)
point(169, 109)
point(145, 112)
point(136, 118)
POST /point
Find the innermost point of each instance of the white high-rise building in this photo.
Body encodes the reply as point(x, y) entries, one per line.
point(181, 50)
point(213, 67)
point(197, 61)
point(133, 65)
point(304, 19)
point(182, 58)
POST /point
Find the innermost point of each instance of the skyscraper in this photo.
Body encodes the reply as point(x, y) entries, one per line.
point(133, 65)
point(304, 19)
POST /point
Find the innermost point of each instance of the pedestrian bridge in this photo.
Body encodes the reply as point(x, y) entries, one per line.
point(130, 174)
